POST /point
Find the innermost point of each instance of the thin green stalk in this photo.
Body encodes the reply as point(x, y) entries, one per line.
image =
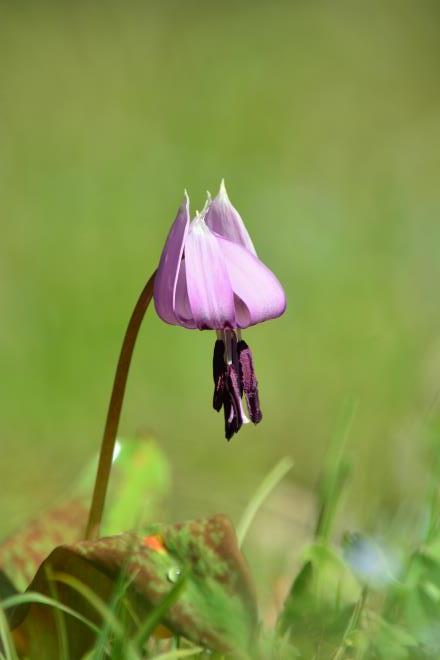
point(103, 610)
point(60, 622)
point(6, 637)
point(353, 624)
point(263, 491)
point(114, 411)
point(95, 601)
point(336, 474)
point(120, 608)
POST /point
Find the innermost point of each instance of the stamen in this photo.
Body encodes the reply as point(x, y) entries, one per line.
point(228, 382)
point(249, 381)
point(218, 368)
point(233, 390)
point(230, 345)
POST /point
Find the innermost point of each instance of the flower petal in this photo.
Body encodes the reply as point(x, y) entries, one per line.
point(225, 220)
point(209, 290)
point(261, 296)
point(170, 262)
point(182, 308)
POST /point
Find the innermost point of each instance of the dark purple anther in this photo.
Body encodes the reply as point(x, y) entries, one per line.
point(234, 359)
point(232, 392)
point(218, 368)
point(249, 382)
point(227, 383)
point(234, 376)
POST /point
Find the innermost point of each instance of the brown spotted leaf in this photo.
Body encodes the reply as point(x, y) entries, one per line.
point(23, 552)
point(216, 607)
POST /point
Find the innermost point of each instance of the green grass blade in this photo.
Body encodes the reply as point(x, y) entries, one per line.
point(60, 622)
point(121, 608)
point(105, 612)
point(34, 597)
point(352, 625)
point(336, 473)
point(268, 484)
point(158, 613)
point(6, 637)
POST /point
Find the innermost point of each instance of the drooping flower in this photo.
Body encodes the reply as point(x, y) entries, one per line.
point(210, 278)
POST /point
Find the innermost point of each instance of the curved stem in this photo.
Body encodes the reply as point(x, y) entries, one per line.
point(114, 411)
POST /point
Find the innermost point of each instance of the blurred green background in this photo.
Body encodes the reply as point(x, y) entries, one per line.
point(324, 119)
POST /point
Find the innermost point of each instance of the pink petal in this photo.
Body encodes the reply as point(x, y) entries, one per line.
point(182, 308)
point(170, 262)
point(261, 296)
point(209, 290)
point(225, 220)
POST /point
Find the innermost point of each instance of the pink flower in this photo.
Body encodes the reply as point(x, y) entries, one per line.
point(210, 278)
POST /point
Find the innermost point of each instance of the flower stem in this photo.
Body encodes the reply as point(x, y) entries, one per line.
point(114, 411)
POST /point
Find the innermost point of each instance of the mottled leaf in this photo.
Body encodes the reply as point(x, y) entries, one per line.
point(215, 609)
point(23, 552)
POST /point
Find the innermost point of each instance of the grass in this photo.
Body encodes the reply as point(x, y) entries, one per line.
point(273, 478)
point(352, 597)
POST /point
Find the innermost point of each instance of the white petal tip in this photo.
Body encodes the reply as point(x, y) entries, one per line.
point(222, 190)
point(204, 210)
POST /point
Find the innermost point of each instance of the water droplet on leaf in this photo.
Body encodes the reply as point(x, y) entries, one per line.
point(174, 574)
